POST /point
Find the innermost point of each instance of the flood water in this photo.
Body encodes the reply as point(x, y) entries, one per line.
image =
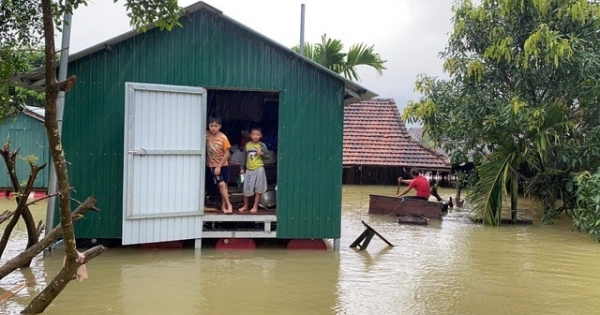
point(448, 267)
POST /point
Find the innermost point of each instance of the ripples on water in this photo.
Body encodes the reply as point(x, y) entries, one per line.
point(448, 267)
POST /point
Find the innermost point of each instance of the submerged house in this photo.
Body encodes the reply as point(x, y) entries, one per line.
point(26, 133)
point(135, 122)
point(378, 149)
point(417, 134)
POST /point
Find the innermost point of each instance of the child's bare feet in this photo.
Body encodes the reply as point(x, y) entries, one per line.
point(254, 210)
point(242, 209)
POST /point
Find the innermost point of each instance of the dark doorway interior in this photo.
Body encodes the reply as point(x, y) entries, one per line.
point(241, 111)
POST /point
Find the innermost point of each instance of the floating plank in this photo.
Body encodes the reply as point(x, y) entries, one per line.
point(412, 219)
point(15, 289)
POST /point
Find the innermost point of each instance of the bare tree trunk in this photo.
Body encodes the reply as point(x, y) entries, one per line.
point(22, 205)
point(459, 187)
point(16, 262)
point(54, 142)
point(53, 289)
point(10, 161)
point(42, 300)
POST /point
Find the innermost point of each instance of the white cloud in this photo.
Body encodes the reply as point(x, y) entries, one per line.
point(409, 34)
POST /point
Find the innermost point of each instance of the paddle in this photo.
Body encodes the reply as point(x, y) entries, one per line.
point(399, 184)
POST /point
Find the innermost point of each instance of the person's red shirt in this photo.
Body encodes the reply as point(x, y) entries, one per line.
point(421, 185)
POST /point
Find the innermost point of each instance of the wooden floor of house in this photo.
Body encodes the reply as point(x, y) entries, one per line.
point(260, 224)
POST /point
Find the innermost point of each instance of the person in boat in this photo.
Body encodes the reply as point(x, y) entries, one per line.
point(419, 183)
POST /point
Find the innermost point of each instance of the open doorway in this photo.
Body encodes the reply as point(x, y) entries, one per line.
point(241, 111)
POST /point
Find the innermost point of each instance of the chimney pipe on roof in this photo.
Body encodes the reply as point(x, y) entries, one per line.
point(302, 30)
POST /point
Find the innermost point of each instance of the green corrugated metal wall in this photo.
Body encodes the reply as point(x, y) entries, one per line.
point(29, 135)
point(212, 52)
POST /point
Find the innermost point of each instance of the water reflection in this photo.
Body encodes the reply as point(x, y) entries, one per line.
point(447, 267)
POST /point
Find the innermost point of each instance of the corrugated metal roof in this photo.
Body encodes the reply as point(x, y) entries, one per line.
point(354, 92)
point(35, 112)
point(374, 134)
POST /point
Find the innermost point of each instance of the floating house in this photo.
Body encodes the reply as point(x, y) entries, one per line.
point(378, 149)
point(26, 133)
point(135, 121)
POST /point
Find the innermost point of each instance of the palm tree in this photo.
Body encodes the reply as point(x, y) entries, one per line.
point(501, 170)
point(329, 54)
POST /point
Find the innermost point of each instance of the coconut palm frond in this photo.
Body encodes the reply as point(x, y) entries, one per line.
point(489, 191)
point(308, 50)
point(556, 123)
point(556, 115)
point(551, 130)
point(362, 55)
point(329, 53)
point(548, 187)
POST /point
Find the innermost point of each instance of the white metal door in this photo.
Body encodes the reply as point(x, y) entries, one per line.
point(163, 185)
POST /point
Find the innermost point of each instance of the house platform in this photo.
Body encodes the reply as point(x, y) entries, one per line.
point(261, 224)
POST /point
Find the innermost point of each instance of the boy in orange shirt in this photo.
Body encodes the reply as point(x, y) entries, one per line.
point(217, 157)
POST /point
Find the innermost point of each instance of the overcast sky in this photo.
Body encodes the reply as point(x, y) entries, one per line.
point(409, 34)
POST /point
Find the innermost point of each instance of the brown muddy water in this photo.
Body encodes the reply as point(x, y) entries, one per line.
point(448, 267)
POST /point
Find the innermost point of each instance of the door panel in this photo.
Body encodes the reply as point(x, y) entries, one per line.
point(163, 198)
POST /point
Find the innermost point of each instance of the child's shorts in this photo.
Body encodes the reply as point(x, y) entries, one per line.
point(223, 177)
point(255, 182)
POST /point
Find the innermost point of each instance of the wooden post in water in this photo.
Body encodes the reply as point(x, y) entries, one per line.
point(514, 196)
point(367, 235)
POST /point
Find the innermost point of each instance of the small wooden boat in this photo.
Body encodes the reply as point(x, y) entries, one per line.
point(405, 206)
point(412, 219)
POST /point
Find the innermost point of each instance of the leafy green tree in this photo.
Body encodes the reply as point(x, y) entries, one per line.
point(19, 51)
point(329, 53)
point(23, 22)
point(522, 94)
point(13, 62)
point(587, 212)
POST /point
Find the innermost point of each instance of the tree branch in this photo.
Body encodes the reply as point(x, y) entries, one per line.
point(67, 84)
point(42, 198)
point(10, 161)
point(66, 275)
point(22, 201)
point(5, 215)
point(14, 263)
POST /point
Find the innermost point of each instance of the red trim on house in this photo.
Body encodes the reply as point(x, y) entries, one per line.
point(9, 193)
point(235, 243)
point(307, 244)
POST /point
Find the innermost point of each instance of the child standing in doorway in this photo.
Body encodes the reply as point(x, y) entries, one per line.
point(217, 157)
point(255, 180)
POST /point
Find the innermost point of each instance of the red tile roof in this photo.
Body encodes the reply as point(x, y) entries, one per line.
point(374, 134)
